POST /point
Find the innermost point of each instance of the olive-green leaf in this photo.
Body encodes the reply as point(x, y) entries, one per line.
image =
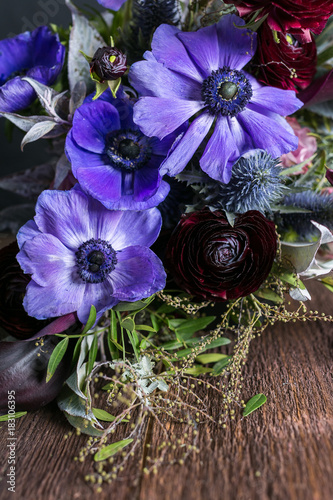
point(210, 358)
point(91, 320)
point(254, 403)
point(18, 414)
point(56, 356)
point(111, 449)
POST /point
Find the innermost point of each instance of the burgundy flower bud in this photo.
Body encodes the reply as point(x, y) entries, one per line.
point(13, 282)
point(296, 17)
point(23, 369)
point(213, 260)
point(283, 61)
point(108, 63)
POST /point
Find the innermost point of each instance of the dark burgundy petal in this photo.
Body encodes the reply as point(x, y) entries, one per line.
point(212, 260)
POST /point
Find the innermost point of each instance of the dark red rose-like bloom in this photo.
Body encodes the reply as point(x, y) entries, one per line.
point(108, 63)
point(13, 282)
point(213, 260)
point(13, 317)
point(285, 62)
point(297, 17)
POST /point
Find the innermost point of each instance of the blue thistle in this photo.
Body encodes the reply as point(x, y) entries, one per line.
point(147, 15)
point(298, 224)
point(255, 184)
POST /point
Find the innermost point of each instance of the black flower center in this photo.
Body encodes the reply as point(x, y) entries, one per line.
point(128, 150)
point(227, 91)
point(95, 260)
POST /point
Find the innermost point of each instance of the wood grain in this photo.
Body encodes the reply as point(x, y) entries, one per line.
point(281, 452)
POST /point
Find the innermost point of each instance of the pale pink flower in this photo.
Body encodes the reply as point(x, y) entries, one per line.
point(307, 146)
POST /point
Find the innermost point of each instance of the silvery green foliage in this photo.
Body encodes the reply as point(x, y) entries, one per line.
point(142, 373)
point(83, 38)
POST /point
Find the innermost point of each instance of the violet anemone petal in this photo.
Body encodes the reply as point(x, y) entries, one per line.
point(57, 299)
point(237, 46)
point(267, 132)
point(99, 295)
point(153, 79)
point(138, 228)
point(282, 102)
point(203, 46)
point(64, 214)
point(169, 51)
point(92, 122)
point(187, 145)
point(169, 114)
point(103, 183)
point(138, 273)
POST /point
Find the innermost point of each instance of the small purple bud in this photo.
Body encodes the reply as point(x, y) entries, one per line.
point(108, 63)
point(329, 176)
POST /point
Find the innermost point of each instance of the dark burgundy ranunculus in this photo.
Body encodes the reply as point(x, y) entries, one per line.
point(213, 260)
point(108, 63)
point(297, 17)
point(13, 317)
point(13, 282)
point(283, 61)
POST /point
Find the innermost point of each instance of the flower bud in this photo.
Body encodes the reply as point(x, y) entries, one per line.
point(108, 63)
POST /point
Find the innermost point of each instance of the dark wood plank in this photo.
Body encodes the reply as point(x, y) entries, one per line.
point(282, 451)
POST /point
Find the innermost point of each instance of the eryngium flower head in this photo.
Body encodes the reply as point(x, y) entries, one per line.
point(298, 225)
point(80, 254)
point(201, 73)
point(38, 55)
point(108, 63)
point(147, 15)
point(213, 260)
point(255, 184)
point(112, 160)
point(283, 61)
point(297, 17)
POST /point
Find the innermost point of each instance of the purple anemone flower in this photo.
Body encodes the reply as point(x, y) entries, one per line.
point(112, 4)
point(80, 254)
point(111, 158)
point(201, 73)
point(37, 54)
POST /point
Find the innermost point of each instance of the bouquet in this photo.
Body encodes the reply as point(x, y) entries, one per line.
point(186, 202)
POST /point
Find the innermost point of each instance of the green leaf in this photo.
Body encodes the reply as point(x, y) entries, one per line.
point(220, 365)
point(267, 294)
point(196, 370)
point(218, 342)
point(112, 336)
point(298, 167)
point(91, 320)
point(324, 56)
point(111, 449)
point(210, 358)
point(114, 86)
point(4, 418)
point(146, 328)
point(100, 88)
point(103, 415)
point(137, 306)
point(92, 354)
point(254, 403)
point(194, 325)
point(56, 356)
point(128, 324)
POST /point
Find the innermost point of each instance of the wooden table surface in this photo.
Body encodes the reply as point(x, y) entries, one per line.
point(281, 451)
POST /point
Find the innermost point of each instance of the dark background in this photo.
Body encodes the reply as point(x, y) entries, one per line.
point(18, 16)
